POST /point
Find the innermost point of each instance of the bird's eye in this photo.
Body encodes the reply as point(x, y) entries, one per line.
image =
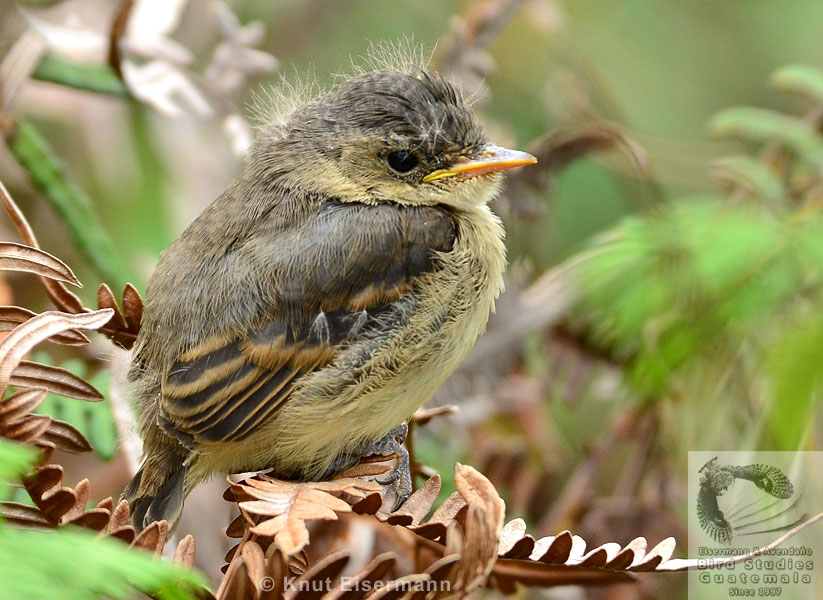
point(402, 161)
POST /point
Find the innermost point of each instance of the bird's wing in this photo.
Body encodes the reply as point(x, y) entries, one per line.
point(711, 518)
point(335, 276)
point(768, 478)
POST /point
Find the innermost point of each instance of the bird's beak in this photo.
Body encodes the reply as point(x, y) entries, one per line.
point(491, 159)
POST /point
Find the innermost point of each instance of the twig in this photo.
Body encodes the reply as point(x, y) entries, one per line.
point(116, 32)
point(62, 298)
point(17, 66)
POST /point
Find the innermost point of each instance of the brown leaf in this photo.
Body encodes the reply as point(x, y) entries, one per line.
point(507, 571)
point(400, 587)
point(476, 489)
point(107, 504)
point(659, 554)
point(365, 468)
point(46, 451)
point(24, 515)
point(66, 437)
point(57, 502)
point(106, 299)
point(290, 504)
point(553, 550)
point(124, 325)
point(514, 542)
point(277, 570)
point(359, 584)
point(229, 556)
point(81, 493)
point(153, 537)
point(424, 415)
point(236, 584)
point(54, 379)
point(19, 257)
point(120, 515)
point(478, 551)
point(12, 316)
point(290, 535)
point(185, 552)
point(417, 506)
point(43, 479)
point(132, 307)
point(311, 585)
point(126, 533)
point(20, 404)
point(632, 554)
point(563, 146)
point(62, 297)
point(598, 557)
point(441, 569)
point(478, 540)
point(26, 335)
point(447, 512)
point(96, 519)
point(27, 429)
point(237, 528)
point(368, 505)
point(255, 561)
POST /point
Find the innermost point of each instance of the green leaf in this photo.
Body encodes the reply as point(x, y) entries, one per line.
point(762, 125)
point(101, 431)
point(15, 460)
point(35, 154)
point(794, 369)
point(92, 77)
point(671, 289)
point(802, 80)
point(93, 419)
point(751, 175)
point(71, 564)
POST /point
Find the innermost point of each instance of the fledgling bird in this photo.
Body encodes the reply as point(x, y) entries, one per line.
point(304, 316)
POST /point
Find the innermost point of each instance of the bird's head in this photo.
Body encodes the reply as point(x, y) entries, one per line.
point(388, 136)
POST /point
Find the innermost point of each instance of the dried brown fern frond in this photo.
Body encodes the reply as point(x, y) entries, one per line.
point(281, 509)
point(465, 535)
point(123, 325)
point(54, 504)
point(16, 419)
point(467, 545)
point(57, 505)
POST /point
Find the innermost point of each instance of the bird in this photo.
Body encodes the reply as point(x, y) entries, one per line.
point(305, 314)
point(717, 479)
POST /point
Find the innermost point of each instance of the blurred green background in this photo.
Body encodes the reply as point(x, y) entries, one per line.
point(661, 69)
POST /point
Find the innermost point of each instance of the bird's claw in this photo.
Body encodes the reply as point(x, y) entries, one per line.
point(400, 477)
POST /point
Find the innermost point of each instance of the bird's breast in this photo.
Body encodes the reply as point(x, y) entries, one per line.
point(383, 377)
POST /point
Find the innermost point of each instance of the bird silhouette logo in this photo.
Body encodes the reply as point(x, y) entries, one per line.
point(752, 515)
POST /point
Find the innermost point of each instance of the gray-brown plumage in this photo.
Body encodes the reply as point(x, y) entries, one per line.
point(325, 295)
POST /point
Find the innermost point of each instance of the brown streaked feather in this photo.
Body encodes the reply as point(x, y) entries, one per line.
point(375, 296)
point(221, 389)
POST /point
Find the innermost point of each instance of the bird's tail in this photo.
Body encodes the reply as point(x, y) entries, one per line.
point(157, 492)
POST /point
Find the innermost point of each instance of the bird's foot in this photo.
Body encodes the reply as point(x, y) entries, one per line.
point(391, 443)
point(400, 477)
